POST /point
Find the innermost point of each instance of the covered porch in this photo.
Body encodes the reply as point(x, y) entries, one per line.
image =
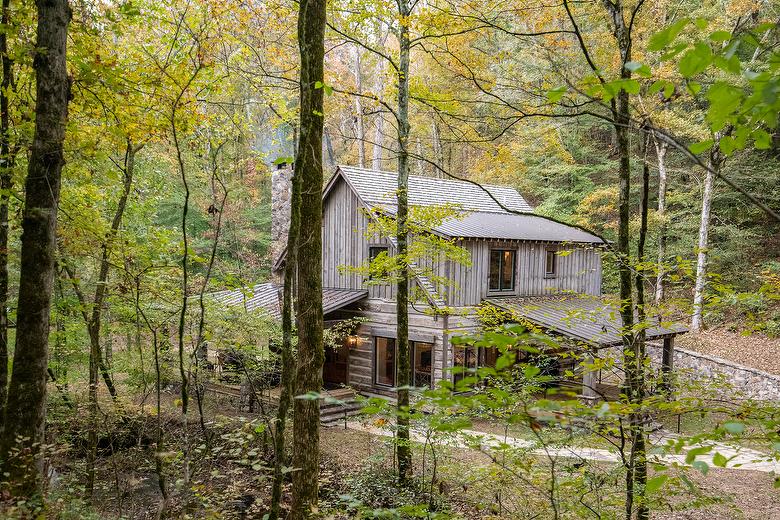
point(267, 298)
point(594, 325)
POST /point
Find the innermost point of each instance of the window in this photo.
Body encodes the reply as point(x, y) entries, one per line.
point(423, 364)
point(373, 252)
point(502, 270)
point(471, 358)
point(551, 263)
point(385, 361)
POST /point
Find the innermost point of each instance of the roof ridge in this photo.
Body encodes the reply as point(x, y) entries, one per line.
point(448, 179)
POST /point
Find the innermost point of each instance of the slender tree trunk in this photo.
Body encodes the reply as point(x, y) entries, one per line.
point(23, 435)
point(714, 164)
point(6, 163)
point(308, 165)
point(438, 150)
point(637, 419)
point(636, 469)
point(660, 282)
point(377, 153)
point(402, 290)
point(330, 154)
point(359, 123)
point(288, 360)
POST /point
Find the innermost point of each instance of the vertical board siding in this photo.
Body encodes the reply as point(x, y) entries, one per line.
point(344, 227)
point(578, 271)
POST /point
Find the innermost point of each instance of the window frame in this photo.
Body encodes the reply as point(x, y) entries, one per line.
point(502, 292)
point(413, 345)
point(371, 247)
point(479, 356)
point(554, 251)
point(375, 371)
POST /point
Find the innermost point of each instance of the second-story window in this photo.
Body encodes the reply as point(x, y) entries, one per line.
point(551, 263)
point(502, 270)
point(373, 252)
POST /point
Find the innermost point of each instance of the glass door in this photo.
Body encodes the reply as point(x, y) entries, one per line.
point(423, 364)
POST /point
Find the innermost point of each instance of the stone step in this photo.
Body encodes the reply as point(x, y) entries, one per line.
point(334, 414)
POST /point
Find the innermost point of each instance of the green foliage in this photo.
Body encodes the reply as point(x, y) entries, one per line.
point(426, 253)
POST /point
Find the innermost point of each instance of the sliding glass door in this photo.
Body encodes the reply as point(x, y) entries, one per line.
point(386, 362)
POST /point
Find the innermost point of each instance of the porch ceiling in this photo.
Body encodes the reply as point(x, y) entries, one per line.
point(589, 319)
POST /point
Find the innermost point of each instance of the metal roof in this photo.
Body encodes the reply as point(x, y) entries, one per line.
point(266, 297)
point(482, 216)
point(589, 319)
point(334, 299)
point(378, 188)
point(510, 226)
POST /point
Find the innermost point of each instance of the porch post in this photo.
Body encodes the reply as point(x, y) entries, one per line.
point(667, 365)
point(589, 380)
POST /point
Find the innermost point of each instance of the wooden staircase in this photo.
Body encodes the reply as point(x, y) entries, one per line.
point(337, 413)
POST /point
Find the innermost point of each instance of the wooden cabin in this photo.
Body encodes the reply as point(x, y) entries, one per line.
point(520, 261)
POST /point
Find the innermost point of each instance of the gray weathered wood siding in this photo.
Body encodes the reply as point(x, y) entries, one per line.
point(578, 271)
point(344, 242)
point(381, 321)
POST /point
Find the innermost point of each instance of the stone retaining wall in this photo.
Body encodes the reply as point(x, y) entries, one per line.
point(753, 383)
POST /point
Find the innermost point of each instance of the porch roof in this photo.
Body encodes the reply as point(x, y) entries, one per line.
point(590, 319)
point(266, 297)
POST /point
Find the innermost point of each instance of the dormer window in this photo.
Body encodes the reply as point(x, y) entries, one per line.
point(502, 270)
point(551, 263)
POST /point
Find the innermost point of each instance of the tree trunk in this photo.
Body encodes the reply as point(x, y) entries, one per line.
point(438, 149)
point(330, 154)
point(714, 164)
point(25, 411)
point(377, 153)
point(308, 164)
point(402, 290)
point(6, 163)
point(288, 361)
point(637, 419)
point(660, 149)
point(636, 469)
point(360, 129)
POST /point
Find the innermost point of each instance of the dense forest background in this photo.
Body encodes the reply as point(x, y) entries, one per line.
point(180, 110)
point(226, 81)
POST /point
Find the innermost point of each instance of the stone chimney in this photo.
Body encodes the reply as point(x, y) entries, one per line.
point(281, 196)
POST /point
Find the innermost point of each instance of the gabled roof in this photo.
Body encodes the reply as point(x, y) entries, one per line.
point(482, 216)
point(377, 188)
point(589, 319)
point(265, 297)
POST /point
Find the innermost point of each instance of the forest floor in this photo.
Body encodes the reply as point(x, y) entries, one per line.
point(721, 495)
point(755, 350)
point(233, 474)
